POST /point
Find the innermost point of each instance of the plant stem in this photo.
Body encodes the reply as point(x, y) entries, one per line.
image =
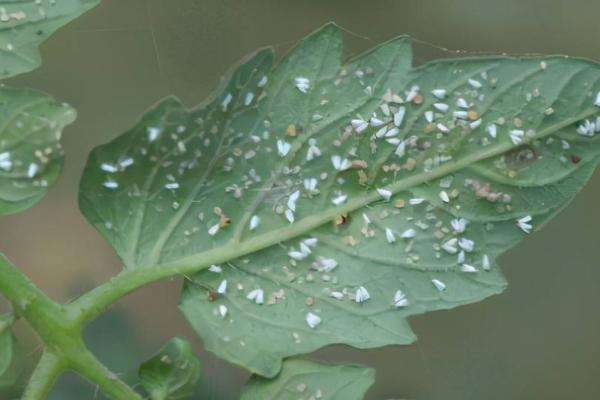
point(88, 366)
point(19, 290)
point(44, 376)
point(29, 302)
point(62, 336)
point(78, 358)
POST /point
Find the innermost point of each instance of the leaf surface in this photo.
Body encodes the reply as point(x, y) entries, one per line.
point(301, 379)
point(172, 373)
point(6, 343)
point(325, 223)
point(31, 156)
point(25, 24)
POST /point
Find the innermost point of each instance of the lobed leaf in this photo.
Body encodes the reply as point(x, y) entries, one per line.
point(31, 156)
point(172, 373)
point(330, 219)
point(24, 24)
point(301, 379)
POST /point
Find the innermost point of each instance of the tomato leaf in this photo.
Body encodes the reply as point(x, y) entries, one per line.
point(327, 201)
point(25, 24)
point(31, 156)
point(172, 373)
point(311, 380)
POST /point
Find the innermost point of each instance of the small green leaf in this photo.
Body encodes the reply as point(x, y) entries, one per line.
point(336, 199)
point(31, 156)
point(301, 379)
point(24, 24)
point(173, 373)
point(6, 343)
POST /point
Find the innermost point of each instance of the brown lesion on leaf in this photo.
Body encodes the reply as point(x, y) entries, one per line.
point(399, 203)
point(520, 157)
point(363, 178)
point(483, 190)
point(340, 220)
point(293, 130)
point(409, 165)
point(212, 296)
point(473, 115)
point(350, 241)
point(276, 296)
point(224, 220)
point(359, 164)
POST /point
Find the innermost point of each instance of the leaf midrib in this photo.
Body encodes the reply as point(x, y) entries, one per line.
point(231, 250)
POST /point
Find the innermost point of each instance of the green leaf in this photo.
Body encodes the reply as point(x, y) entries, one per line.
point(173, 373)
point(211, 185)
point(6, 343)
point(24, 24)
point(31, 156)
point(301, 379)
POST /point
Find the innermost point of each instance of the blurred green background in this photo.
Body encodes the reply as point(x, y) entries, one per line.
point(538, 340)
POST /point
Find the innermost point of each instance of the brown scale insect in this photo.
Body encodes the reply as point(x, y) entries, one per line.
point(211, 295)
point(340, 220)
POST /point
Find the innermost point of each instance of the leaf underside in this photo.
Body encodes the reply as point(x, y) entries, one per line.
point(25, 24)
point(301, 379)
point(172, 373)
point(217, 184)
point(31, 156)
